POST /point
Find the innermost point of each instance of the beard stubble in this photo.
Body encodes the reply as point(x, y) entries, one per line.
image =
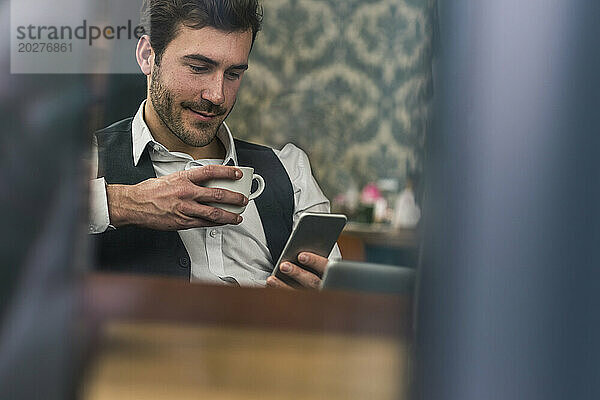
point(163, 102)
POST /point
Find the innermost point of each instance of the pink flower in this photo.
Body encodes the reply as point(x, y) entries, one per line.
point(370, 194)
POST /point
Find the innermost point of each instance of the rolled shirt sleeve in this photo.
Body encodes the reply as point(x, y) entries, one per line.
point(98, 219)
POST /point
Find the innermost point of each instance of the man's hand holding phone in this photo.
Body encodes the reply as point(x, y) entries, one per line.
point(308, 275)
point(304, 258)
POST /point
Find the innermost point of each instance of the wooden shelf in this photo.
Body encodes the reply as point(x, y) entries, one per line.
point(357, 235)
point(383, 235)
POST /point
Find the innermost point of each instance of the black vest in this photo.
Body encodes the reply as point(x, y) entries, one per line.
point(147, 251)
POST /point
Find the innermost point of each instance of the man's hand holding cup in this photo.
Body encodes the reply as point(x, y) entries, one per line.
point(199, 197)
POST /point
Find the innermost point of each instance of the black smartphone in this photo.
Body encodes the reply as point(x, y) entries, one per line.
point(315, 233)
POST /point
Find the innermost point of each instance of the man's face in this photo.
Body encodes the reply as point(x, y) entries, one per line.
point(194, 86)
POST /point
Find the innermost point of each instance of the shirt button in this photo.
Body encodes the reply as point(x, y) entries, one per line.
point(184, 262)
point(213, 233)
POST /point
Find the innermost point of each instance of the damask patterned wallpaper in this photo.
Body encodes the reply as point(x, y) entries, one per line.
point(348, 81)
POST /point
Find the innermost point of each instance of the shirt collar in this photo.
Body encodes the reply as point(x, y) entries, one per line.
point(141, 137)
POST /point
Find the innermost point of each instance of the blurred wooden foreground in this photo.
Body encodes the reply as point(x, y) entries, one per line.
point(167, 339)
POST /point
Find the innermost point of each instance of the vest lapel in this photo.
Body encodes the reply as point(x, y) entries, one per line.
point(276, 204)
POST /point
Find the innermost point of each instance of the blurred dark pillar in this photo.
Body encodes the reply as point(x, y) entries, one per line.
point(43, 180)
point(510, 286)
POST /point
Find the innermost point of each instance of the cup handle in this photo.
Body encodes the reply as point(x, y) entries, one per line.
point(261, 187)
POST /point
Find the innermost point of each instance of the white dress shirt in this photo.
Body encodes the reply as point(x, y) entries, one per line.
point(230, 253)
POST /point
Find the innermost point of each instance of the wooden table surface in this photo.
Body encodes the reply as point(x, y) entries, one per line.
point(167, 339)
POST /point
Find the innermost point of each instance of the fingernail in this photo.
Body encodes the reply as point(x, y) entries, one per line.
point(303, 258)
point(238, 174)
point(239, 219)
point(285, 267)
point(246, 201)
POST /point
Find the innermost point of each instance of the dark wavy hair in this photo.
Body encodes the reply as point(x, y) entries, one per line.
point(162, 19)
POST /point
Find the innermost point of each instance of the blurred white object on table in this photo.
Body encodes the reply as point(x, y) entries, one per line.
point(406, 212)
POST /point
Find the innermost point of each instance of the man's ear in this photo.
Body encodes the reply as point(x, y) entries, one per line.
point(145, 55)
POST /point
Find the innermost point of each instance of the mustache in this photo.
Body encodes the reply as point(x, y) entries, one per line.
point(205, 106)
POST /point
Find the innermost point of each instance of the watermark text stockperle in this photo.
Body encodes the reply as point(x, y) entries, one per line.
point(49, 38)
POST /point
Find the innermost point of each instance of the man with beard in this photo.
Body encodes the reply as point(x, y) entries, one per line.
point(149, 207)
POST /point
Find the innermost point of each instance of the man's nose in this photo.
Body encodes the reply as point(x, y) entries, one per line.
point(214, 92)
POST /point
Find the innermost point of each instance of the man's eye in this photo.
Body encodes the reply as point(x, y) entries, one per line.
point(233, 75)
point(196, 68)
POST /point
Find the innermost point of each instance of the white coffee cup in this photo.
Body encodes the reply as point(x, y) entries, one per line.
point(243, 186)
